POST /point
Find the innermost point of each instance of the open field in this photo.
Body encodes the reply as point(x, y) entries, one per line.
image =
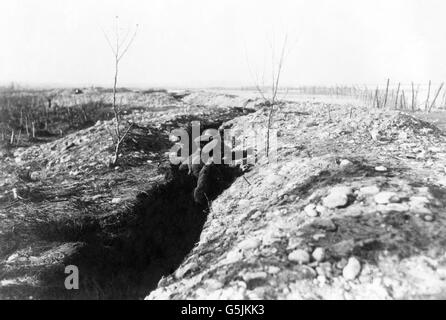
point(352, 208)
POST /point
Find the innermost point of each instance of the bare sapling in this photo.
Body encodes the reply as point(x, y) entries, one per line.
point(428, 95)
point(377, 98)
point(435, 98)
point(413, 98)
point(403, 101)
point(397, 93)
point(272, 100)
point(119, 47)
point(387, 93)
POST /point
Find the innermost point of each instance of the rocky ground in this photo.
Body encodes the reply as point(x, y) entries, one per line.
point(353, 208)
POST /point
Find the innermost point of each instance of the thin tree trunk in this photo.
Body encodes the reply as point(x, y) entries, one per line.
point(397, 93)
point(387, 92)
point(428, 96)
point(403, 101)
point(18, 138)
point(377, 98)
point(435, 98)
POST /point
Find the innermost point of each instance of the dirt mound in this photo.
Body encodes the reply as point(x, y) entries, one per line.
point(352, 209)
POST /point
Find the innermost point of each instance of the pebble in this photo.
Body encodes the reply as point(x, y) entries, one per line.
point(319, 254)
point(418, 201)
point(428, 218)
point(352, 269)
point(254, 275)
point(116, 200)
point(343, 248)
point(300, 256)
point(34, 175)
point(310, 210)
point(381, 169)
point(233, 256)
point(397, 207)
point(418, 205)
point(369, 190)
point(338, 197)
point(273, 269)
point(318, 236)
point(345, 163)
point(244, 203)
point(386, 197)
point(325, 224)
point(249, 244)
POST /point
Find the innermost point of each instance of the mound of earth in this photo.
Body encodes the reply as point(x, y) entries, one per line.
point(353, 208)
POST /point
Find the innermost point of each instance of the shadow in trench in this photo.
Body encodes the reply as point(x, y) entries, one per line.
point(128, 261)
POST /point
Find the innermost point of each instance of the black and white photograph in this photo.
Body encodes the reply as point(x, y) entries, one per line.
point(252, 150)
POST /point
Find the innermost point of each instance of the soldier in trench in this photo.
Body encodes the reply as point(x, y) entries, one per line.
point(213, 175)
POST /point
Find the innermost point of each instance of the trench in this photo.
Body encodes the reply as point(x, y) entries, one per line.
point(128, 259)
point(165, 225)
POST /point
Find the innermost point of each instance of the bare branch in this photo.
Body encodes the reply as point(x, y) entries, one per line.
point(109, 42)
point(129, 44)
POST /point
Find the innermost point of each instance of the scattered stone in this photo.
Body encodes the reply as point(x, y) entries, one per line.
point(325, 224)
point(116, 200)
point(35, 175)
point(338, 197)
point(249, 244)
point(374, 133)
point(397, 207)
point(12, 258)
point(345, 163)
point(306, 272)
point(233, 256)
point(381, 169)
point(300, 256)
point(273, 269)
point(319, 254)
point(386, 197)
point(421, 201)
point(352, 269)
point(254, 275)
point(310, 210)
point(343, 248)
point(418, 205)
point(369, 190)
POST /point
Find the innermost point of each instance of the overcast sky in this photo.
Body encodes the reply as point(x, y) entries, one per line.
point(223, 43)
